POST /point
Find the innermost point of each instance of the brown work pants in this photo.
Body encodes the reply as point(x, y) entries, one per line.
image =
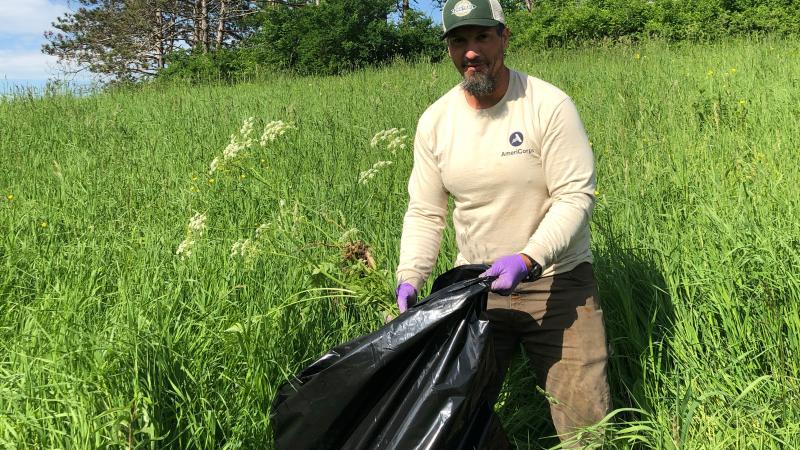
point(559, 323)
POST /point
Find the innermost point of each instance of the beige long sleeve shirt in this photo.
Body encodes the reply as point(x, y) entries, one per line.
point(521, 175)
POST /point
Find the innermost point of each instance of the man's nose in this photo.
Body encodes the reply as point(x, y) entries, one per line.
point(471, 55)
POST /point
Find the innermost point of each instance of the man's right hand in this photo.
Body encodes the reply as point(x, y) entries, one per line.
point(406, 296)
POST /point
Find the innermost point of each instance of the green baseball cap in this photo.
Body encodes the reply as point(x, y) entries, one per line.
point(457, 13)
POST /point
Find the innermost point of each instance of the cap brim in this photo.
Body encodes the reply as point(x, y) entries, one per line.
point(478, 22)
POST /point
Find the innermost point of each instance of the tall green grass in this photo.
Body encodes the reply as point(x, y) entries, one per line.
point(110, 339)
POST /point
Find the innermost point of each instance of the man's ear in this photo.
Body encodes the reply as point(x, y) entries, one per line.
point(506, 36)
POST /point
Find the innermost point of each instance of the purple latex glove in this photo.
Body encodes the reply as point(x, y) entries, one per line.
point(509, 270)
point(406, 296)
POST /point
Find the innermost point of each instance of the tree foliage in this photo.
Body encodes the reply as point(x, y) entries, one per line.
point(336, 36)
point(230, 39)
point(130, 39)
point(567, 22)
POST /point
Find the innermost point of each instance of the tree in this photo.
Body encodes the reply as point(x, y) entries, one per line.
point(127, 40)
point(131, 39)
point(337, 36)
point(123, 39)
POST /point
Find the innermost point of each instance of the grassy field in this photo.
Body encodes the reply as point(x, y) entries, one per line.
point(123, 323)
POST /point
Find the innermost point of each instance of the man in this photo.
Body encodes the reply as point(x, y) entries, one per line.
point(511, 151)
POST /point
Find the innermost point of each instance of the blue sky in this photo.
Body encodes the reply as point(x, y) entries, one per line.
point(22, 23)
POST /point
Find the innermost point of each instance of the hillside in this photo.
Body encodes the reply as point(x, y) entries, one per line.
point(123, 323)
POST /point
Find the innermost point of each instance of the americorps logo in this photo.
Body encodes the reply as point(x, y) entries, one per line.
point(516, 139)
point(462, 8)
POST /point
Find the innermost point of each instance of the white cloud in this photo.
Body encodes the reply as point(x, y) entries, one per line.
point(29, 16)
point(29, 64)
point(22, 24)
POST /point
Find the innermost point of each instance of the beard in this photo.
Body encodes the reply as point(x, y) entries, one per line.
point(479, 84)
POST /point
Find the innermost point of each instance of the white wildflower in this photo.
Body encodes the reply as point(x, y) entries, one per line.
point(243, 248)
point(195, 228)
point(233, 148)
point(197, 223)
point(214, 165)
point(261, 229)
point(236, 248)
point(247, 128)
point(365, 176)
point(395, 138)
point(377, 138)
point(185, 248)
point(274, 130)
point(237, 143)
point(396, 144)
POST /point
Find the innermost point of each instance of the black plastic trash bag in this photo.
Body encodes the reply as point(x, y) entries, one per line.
point(420, 381)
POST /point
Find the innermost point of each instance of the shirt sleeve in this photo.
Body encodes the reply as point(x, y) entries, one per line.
point(425, 218)
point(568, 166)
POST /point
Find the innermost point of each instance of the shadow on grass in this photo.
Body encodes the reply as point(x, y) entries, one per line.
point(523, 409)
point(638, 314)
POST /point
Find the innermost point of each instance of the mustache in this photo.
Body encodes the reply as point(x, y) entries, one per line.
point(474, 62)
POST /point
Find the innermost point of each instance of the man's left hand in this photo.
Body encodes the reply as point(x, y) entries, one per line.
point(509, 270)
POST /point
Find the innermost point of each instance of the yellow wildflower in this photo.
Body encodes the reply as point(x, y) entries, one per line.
point(597, 193)
point(194, 178)
point(741, 101)
point(710, 73)
point(210, 181)
point(43, 224)
point(10, 197)
point(637, 56)
point(242, 176)
point(732, 70)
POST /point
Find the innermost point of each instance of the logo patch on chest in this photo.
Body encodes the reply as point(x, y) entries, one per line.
point(516, 139)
